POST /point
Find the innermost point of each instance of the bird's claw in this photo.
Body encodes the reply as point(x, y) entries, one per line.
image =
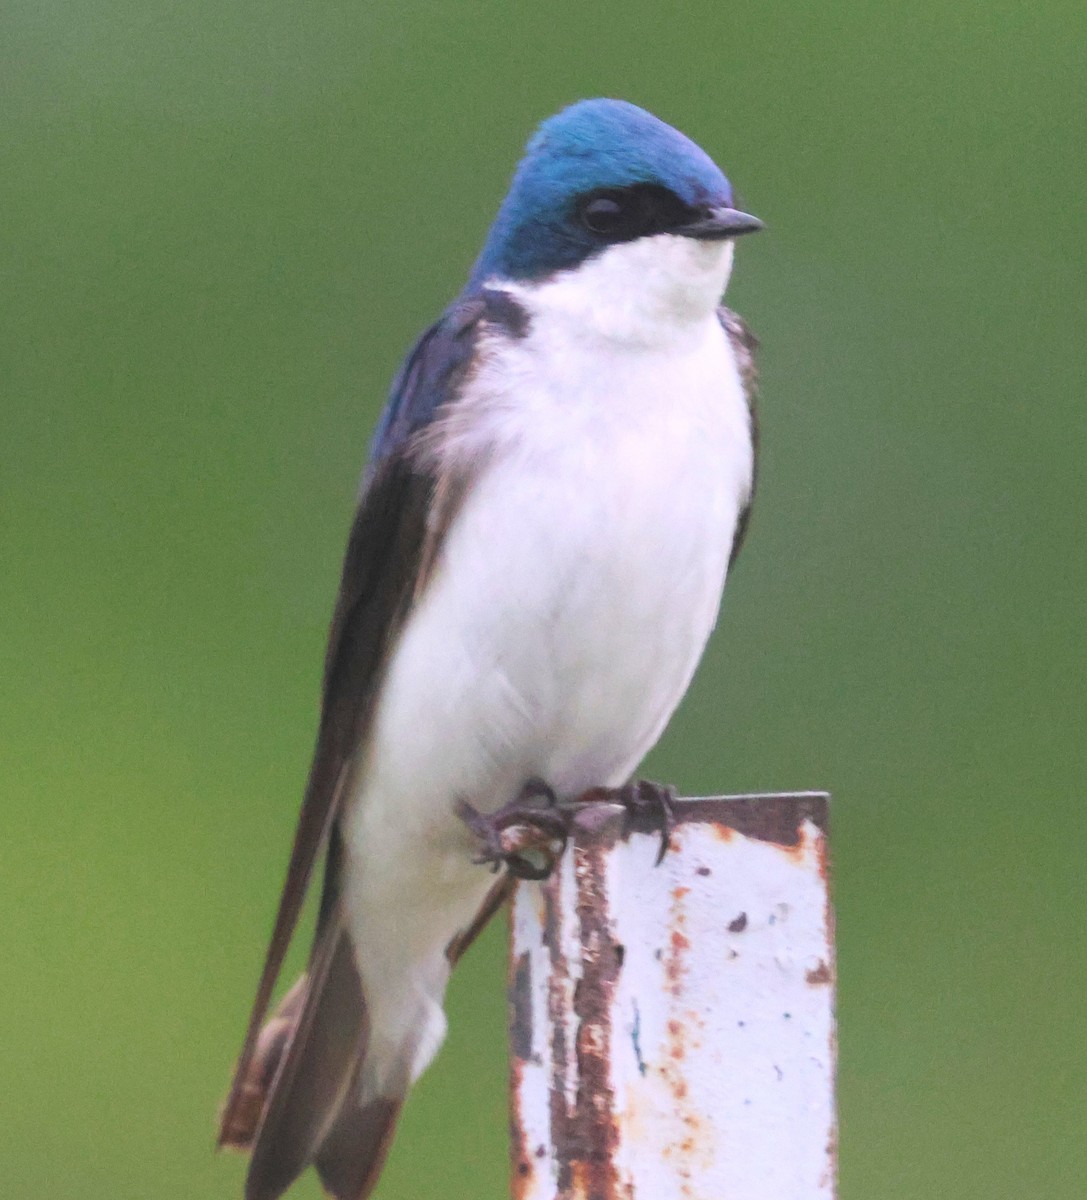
point(526, 836)
point(654, 803)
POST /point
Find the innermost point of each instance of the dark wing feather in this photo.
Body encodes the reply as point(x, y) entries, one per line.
point(312, 1078)
point(354, 1149)
point(744, 344)
point(403, 513)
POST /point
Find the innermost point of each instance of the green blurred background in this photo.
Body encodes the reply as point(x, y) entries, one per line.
point(223, 225)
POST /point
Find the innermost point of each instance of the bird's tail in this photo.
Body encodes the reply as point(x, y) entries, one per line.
point(304, 1101)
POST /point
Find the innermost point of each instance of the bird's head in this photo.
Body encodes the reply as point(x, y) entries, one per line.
point(599, 176)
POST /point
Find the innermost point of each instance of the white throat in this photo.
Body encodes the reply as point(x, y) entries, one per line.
point(648, 292)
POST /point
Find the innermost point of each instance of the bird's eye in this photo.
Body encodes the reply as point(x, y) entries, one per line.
point(623, 214)
point(618, 215)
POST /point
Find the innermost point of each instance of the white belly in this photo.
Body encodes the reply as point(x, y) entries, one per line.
point(567, 613)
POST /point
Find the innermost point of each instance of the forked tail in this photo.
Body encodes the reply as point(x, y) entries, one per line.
point(302, 1101)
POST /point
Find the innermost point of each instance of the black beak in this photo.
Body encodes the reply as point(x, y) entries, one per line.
point(718, 223)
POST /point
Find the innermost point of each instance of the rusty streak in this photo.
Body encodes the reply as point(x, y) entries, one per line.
point(595, 1132)
point(774, 818)
point(556, 984)
point(522, 1165)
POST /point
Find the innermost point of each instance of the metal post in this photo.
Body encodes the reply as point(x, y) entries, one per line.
point(672, 1027)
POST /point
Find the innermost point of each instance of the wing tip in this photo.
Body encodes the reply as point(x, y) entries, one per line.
point(241, 1114)
point(353, 1154)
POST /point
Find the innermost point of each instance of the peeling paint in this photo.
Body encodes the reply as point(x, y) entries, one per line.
point(662, 1064)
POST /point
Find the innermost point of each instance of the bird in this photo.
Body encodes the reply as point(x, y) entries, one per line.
point(556, 490)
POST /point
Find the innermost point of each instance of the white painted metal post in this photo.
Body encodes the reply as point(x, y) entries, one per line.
point(672, 1026)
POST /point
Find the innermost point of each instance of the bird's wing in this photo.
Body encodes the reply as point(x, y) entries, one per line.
point(403, 514)
point(744, 344)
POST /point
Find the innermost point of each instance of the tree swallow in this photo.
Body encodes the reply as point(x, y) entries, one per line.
point(555, 492)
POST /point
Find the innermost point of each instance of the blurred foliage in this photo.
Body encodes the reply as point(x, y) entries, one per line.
point(223, 226)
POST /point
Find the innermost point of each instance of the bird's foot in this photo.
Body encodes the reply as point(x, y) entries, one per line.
point(651, 803)
point(526, 836)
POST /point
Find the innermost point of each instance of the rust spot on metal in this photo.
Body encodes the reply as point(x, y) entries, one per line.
point(738, 924)
point(521, 1168)
point(820, 974)
point(832, 1137)
point(795, 854)
point(830, 1173)
point(674, 965)
point(822, 858)
point(679, 942)
point(596, 1131)
point(682, 1038)
point(772, 818)
point(557, 982)
point(584, 1124)
point(777, 819)
point(808, 840)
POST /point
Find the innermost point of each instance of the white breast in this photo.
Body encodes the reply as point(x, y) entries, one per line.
point(569, 606)
point(580, 581)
